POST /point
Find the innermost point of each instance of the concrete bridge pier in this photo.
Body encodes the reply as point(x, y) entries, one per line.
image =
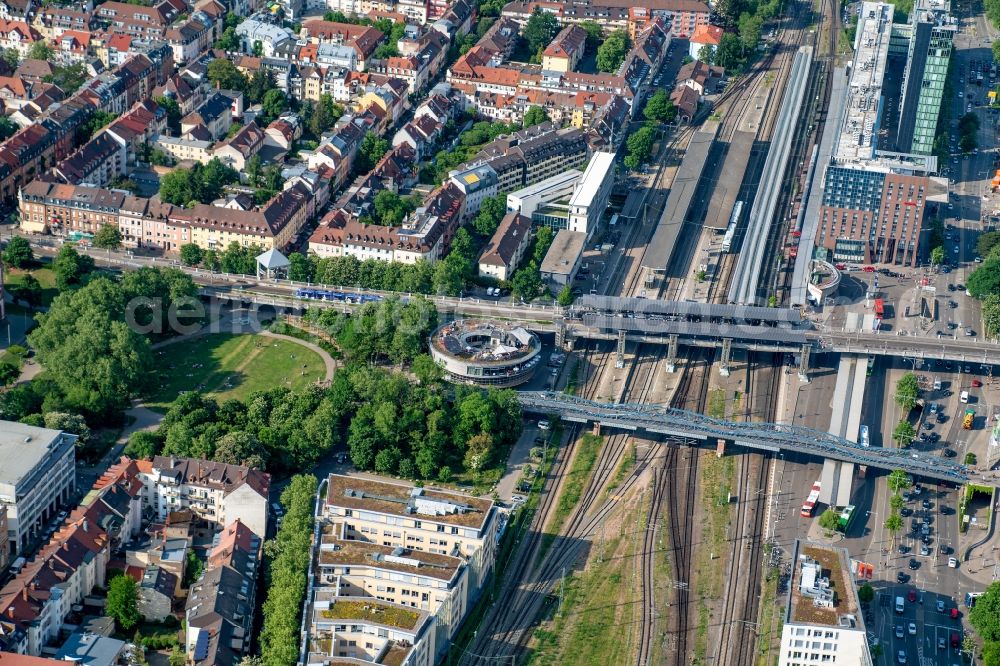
point(727, 353)
point(560, 334)
point(597, 428)
point(672, 343)
point(620, 354)
point(804, 363)
point(720, 448)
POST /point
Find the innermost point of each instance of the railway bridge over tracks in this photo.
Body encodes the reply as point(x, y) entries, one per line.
point(663, 420)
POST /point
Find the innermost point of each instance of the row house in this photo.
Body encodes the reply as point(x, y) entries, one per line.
point(566, 50)
point(37, 601)
point(283, 132)
point(215, 115)
point(421, 134)
point(73, 47)
point(153, 223)
point(237, 150)
point(62, 209)
point(17, 10)
point(191, 38)
point(53, 21)
point(189, 96)
point(18, 36)
point(425, 235)
point(116, 49)
point(138, 21)
point(454, 19)
point(339, 148)
point(680, 17)
point(219, 612)
point(137, 128)
point(98, 163)
point(363, 40)
point(275, 225)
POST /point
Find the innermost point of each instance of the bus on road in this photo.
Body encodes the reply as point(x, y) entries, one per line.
point(809, 508)
point(847, 515)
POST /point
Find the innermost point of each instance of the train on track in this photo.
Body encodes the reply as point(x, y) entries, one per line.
point(734, 221)
point(338, 296)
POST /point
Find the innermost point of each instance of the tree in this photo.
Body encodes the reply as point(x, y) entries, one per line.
point(937, 255)
point(191, 254)
point(491, 212)
point(223, 74)
point(143, 444)
point(535, 115)
point(996, 50)
point(707, 54)
point(122, 602)
point(896, 502)
point(985, 279)
point(301, 268)
point(539, 30)
point(71, 423)
point(904, 433)
point(478, 450)
point(108, 237)
point(11, 57)
point(372, 148)
point(893, 524)
point(640, 146)
point(526, 282)
point(71, 267)
point(991, 315)
point(659, 108)
point(273, 104)
point(387, 460)
point(95, 123)
point(177, 656)
point(829, 520)
point(254, 170)
point(29, 290)
point(18, 253)
point(229, 41)
point(173, 113)
point(9, 373)
point(241, 448)
point(595, 34)
point(175, 187)
point(729, 54)
point(898, 480)
point(40, 50)
point(907, 391)
point(866, 593)
point(987, 241)
point(985, 614)
point(565, 297)
point(611, 54)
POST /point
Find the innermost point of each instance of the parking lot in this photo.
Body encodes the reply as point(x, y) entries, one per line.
point(923, 633)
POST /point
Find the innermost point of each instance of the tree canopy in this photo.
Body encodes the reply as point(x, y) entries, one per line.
point(535, 115)
point(611, 53)
point(18, 252)
point(122, 602)
point(200, 183)
point(985, 614)
point(539, 30)
point(907, 391)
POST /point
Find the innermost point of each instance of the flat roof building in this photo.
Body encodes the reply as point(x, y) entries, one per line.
point(590, 199)
point(563, 258)
point(37, 476)
point(528, 200)
point(823, 622)
point(874, 198)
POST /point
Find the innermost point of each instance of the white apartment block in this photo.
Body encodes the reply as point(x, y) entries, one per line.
point(436, 584)
point(37, 476)
point(369, 631)
point(823, 623)
point(216, 492)
point(590, 199)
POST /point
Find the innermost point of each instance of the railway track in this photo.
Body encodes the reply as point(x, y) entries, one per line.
point(743, 580)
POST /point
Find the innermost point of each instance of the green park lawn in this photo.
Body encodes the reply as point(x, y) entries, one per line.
point(45, 276)
point(231, 366)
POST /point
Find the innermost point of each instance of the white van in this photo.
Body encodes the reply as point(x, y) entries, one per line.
point(18, 564)
point(964, 398)
point(937, 383)
point(899, 605)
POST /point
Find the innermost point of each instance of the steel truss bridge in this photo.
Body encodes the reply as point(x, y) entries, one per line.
point(663, 420)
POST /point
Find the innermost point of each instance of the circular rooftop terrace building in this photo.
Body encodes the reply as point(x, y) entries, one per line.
point(486, 353)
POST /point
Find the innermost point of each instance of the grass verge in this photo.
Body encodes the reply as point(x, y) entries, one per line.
point(770, 618)
point(716, 404)
point(624, 467)
point(576, 481)
point(717, 476)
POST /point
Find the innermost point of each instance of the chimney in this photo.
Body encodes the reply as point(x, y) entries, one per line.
point(24, 595)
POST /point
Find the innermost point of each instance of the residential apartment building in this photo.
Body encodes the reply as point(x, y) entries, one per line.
point(502, 254)
point(424, 235)
point(477, 182)
point(220, 607)
point(681, 17)
point(566, 50)
point(418, 519)
point(370, 631)
point(413, 560)
point(38, 600)
point(533, 154)
point(37, 477)
point(823, 623)
point(217, 493)
point(4, 541)
point(98, 163)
